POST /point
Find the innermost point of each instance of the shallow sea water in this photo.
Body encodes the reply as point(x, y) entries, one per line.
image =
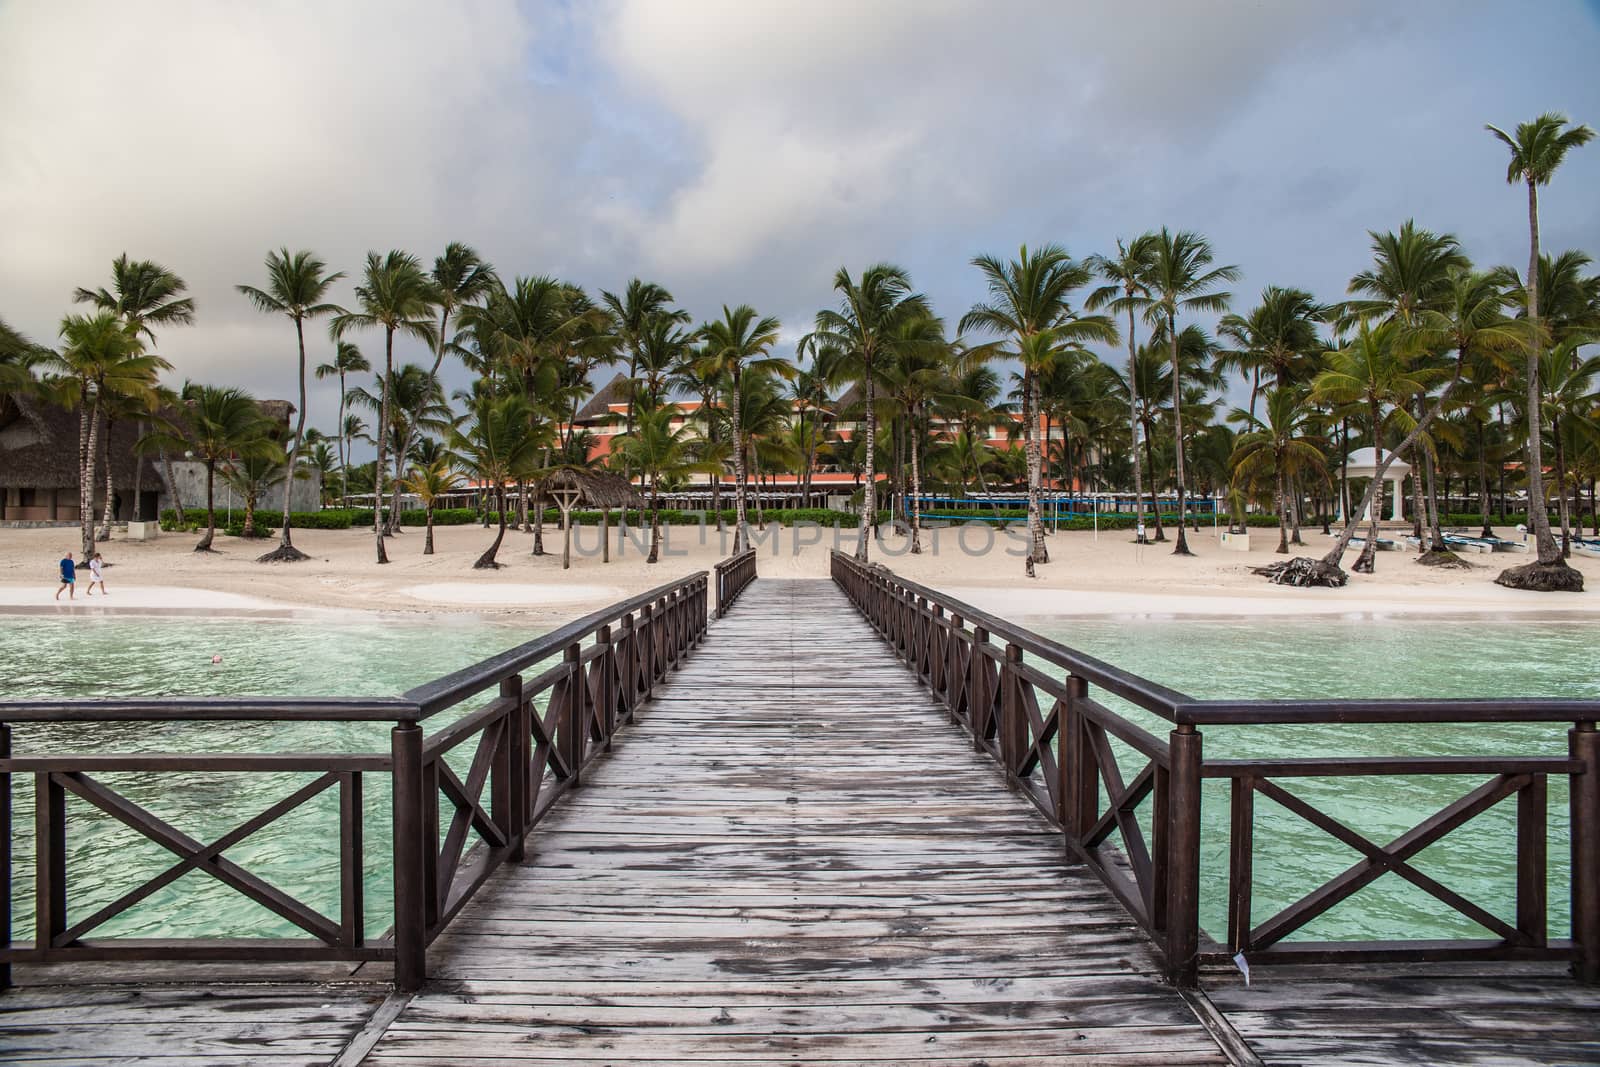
point(1205, 657)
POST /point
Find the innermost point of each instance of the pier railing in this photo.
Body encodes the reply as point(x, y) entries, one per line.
point(733, 574)
point(530, 743)
point(1029, 702)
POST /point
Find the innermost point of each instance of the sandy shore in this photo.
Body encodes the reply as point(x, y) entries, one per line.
point(1087, 575)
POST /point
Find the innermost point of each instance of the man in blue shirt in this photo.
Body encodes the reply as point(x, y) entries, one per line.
point(69, 578)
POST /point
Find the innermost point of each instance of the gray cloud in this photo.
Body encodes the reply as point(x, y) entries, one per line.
point(741, 152)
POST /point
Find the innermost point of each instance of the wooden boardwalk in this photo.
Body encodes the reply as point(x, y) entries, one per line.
point(793, 857)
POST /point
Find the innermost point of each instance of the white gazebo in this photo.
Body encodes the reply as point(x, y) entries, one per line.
point(1363, 463)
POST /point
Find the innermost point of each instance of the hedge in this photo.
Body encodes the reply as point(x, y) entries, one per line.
point(194, 519)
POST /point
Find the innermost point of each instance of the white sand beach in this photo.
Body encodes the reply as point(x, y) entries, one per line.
point(1087, 575)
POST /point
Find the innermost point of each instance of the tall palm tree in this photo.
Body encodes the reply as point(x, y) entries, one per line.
point(659, 450)
point(460, 277)
point(1570, 402)
point(347, 359)
point(430, 481)
point(1280, 445)
point(297, 286)
point(1029, 305)
point(862, 334)
point(1277, 338)
point(919, 376)
point(101, 357)
point(736, 344)
point(145, 294)
point(1127, 290)
point(415, 406)
point(632, 311)
point(1181, 278)
point(397, 296)
point(251, 474)
point(1537, 150)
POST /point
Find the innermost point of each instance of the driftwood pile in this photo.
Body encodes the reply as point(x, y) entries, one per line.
point(1303, 571)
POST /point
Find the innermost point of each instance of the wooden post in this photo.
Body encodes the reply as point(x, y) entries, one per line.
point(647, 647)
point(607, 665)
point(1183, 868)
point(1241, 863)
point(410, 927)
point(1013, 730)
point(571, 726)
point(509, 771)
point(5, 855)
point(50, 839)
point(981, 703)
point(1532, 861)
point(352, 903)
point(1584, 745)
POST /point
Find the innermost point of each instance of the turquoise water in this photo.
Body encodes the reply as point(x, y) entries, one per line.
point(1346, 657)
point(168, 656)
point(1206, 658)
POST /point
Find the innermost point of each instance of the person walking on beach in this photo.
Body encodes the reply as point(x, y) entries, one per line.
point(69, 578)
point(96, 577)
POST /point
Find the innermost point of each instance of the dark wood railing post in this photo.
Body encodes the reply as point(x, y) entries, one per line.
point(1584, 746)
point(1074, 811)
point(646, 636)
point(514, 794)
point(1013, 728)
point(50, 836)
point(1241, 862)
point(1533, 861)
point(1183, 851)
point(5, 855)
point(352, 888)
point(572, 724)
point(981, 703)
point(607, 665)
point(410, 924)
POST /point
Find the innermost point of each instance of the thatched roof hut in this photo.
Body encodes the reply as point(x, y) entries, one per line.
point(596, 489)
point(599, 406)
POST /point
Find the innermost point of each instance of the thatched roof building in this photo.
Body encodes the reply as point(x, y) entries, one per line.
point(599, 405)
point(596, 489)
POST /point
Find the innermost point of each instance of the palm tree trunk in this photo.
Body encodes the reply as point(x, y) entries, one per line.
point(108, 511)
point(427, 543)
point(761, 521)
point(285, 544)
point(869, 490)
point(1155, 505)
point(402, 446)
point(1182, 547)
point(1133, 426)
point(487, 561)
point(88, 425)
point(538, 517)
point(249, 515)
point(916, 496)
point(1293, 493)
point(1561, 489)
point(1283, 520)
point(1418, 509)
point(741, 531)
point(377, 466)
point(211, 507)
point(344, 450)
point(1037, 553)
point(1538, 519)
point(655, 518)
point(171, 485)
point(1483, 479)
point(138, 473)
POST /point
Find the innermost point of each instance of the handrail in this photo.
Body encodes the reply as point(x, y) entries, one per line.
point(733, 574)
point(451, 832)
point(444, 692)
point(1053, 741)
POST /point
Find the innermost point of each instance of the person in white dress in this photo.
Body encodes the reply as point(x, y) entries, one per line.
point(95, 577)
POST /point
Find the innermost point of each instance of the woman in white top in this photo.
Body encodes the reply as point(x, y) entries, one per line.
point(95, 577)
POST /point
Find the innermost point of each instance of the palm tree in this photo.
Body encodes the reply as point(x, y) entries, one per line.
point(1029, 303)
point(251, 474)
point(1537, 150)
point(222, 425)
point(658, 450)
point(863, 333)
point(1280, 446)
point(632, 312)
point(737, 343)
point(1180, 281)
point(347, 359)
point(1126, 290)
point(460, 277)
point(1376, 370)
point(297, 286)
point(145, 294)
point(1569, 402)
point(919, 376)
point(500, 446)
point(325, 461)
point(396, 295)
point(101, 356)
point(1278, 338)
point(415, 404)
point(430, 481)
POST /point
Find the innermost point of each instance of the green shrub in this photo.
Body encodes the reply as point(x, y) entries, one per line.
point(262, 532)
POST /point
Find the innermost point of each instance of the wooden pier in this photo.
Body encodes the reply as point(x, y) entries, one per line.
point(784, 851)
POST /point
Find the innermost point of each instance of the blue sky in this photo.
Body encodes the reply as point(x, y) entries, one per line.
point(741, 152)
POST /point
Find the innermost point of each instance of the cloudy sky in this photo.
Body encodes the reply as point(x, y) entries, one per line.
point(740, 151)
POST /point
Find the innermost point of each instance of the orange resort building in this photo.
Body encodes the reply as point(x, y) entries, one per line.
point(604, 418)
